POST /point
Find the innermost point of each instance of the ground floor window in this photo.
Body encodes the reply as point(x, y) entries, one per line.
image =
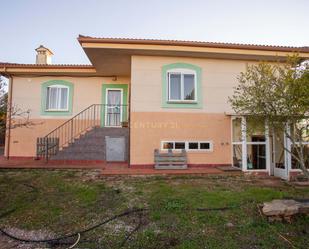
point(249, 144)
point(256, 156)
point(301, 133)
point(295, 164)
point(258, 147)
point(237, 155)
point(277, 148)
point(187, 145)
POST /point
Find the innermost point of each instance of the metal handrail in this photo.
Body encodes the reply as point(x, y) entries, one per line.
point(87, 119)
point(70, 119)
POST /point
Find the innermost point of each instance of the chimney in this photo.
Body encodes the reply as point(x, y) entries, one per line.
point(43, 55)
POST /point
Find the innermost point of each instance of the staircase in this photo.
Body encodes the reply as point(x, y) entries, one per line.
point(83, 136)
point(91, 145)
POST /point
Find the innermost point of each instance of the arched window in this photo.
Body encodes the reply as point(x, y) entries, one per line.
point(57, 98)
point(181, 86)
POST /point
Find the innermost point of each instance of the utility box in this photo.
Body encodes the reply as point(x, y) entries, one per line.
point(115, 149)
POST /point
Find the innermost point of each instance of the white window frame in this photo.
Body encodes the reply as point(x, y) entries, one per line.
point(48, 99)
point(291, 144)
point(187, 145)
point(106, 107)
point(244, 143)
point(181, 72)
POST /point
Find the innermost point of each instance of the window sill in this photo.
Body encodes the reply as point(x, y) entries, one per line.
point(199, 151)
point(56, 110)
point(188, 151)
point(182, 102)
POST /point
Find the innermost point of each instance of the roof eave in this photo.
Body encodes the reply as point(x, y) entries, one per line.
point(86, 39)
point(45, 70)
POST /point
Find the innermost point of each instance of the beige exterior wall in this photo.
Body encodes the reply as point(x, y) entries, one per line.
point(27, 96)
point(218, 79)
point(151, 124)
point(87, 91)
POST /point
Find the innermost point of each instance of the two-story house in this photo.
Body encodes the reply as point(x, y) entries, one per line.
point(140, 95)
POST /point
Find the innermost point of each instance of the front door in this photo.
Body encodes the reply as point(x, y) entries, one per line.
point(113, 110)
point(279, 156)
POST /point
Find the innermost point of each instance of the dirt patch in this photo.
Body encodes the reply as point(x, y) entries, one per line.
point(269, 182)
point(6, 242)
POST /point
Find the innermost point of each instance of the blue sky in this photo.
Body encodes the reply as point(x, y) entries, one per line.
point(25, 24)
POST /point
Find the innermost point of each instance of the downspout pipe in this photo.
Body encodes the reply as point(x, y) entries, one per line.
point(8, 119)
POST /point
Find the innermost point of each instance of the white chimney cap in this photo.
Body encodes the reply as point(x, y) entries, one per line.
point(41, 48)
point(43, 55)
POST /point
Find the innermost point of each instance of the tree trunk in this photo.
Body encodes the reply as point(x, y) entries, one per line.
point(304, 169)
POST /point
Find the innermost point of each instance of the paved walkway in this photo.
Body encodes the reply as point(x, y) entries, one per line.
point(42, 164)
point(189, 171)
point(110, 169)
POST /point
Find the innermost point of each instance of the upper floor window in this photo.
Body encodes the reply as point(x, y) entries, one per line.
point(182, 85)
point(57, 98)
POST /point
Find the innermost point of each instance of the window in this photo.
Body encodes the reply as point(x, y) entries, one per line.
point(57, 98)
point(249, 137)
point(187, 145)
point(181, 85)
point(295, 163)
point(168, 145)
point(205, 146)
point(301, 134)
point(180, 145)
point(193, 146)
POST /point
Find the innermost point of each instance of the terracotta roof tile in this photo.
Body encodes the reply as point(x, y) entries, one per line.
point(82, 38)
point(8, 64)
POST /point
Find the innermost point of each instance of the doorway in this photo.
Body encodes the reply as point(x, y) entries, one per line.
point(279, 156)
point(113, 110)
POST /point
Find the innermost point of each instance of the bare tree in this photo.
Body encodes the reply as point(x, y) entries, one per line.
point(279, 94)
point(18, 116)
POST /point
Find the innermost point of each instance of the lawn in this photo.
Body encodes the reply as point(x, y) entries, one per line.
point(180, 212)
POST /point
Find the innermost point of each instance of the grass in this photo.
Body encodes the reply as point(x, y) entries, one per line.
point(64, 201)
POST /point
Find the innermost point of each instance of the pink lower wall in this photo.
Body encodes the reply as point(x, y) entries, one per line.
point(148, 129)
point(23, 139)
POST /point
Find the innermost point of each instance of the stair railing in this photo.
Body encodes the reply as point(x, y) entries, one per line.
point(95, 115)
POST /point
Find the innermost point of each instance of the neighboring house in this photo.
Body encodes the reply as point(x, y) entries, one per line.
point(141, 95)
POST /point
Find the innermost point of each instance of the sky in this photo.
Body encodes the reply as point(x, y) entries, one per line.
point(26, 24)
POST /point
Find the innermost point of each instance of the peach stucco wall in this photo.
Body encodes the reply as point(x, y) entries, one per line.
point(27, 96)
point(151, 124)
point(218, 79)
point(23, 140)
point(148, 129)
point(87, 91)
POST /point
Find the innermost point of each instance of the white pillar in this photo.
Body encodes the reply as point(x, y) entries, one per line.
point(288, 156)
point(244, 142)
point(267, 148)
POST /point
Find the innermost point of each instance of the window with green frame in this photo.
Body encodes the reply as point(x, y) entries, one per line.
point(181, 86)
point(57, 98)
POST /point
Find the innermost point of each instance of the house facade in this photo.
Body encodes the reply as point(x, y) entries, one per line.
point(138, 96)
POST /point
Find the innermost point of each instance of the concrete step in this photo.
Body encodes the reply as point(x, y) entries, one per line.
point(89, 142)
point(90, 145)
point(81, 149)
point(171, 166)
point(79, 156)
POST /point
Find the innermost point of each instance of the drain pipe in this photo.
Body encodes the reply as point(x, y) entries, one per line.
point(9, 119)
